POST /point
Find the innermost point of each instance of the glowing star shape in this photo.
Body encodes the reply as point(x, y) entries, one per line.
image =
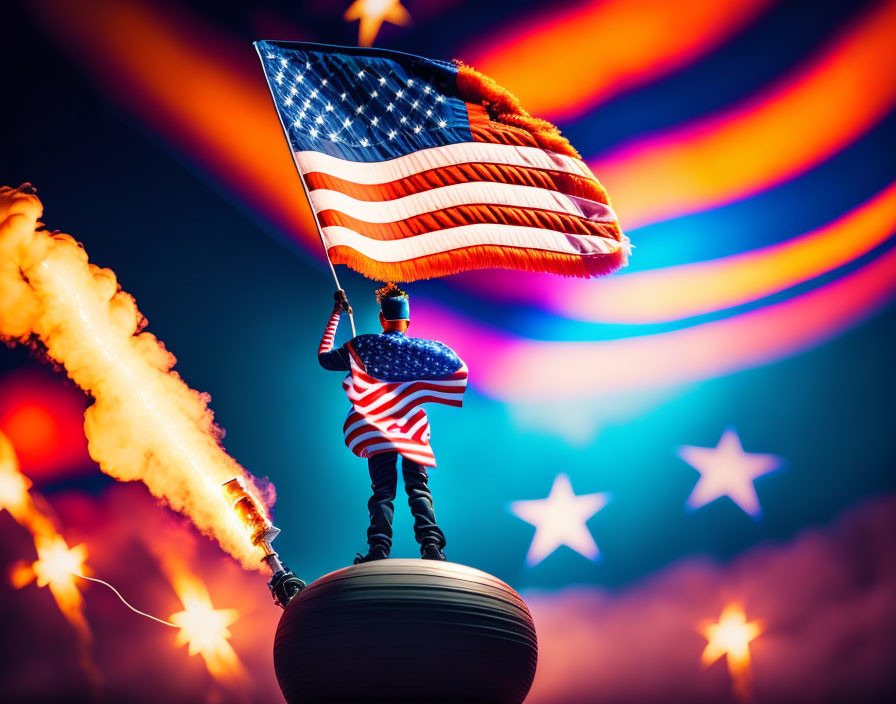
point(726, 470)
point(731, 636)
point(372, 14)
point(57, 563)
point(204, 630)
point(560, 520)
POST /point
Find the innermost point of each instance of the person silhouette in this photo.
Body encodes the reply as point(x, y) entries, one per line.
point(390, 376)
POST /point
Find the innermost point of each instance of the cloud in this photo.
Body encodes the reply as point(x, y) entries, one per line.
point(826, 601)
point(124, 530)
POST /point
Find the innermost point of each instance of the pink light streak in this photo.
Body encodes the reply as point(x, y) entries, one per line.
point(509, 368)
point(216, 112)
point(678, 292)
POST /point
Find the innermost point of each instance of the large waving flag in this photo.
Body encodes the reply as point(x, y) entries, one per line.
point(417, 168)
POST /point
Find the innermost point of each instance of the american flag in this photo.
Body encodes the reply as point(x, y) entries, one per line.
point(417, 168)
point(387, 392)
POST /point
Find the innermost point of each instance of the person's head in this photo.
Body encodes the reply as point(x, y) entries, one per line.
point(394, 308)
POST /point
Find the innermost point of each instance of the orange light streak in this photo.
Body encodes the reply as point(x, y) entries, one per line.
point(693, 165)
point(563, 63)
point(731, 637)
point(802, 120)
point(693, 289)
point(15, 496)
point(201, 88)
point(56, 561)
point(678, 292)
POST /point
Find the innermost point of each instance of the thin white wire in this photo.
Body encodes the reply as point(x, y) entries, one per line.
point(124, 601)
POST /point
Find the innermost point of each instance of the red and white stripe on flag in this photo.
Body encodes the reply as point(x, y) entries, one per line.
point(386, 415)
point(517, 196)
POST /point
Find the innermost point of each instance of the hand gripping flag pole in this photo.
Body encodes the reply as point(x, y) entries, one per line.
point(320, 233)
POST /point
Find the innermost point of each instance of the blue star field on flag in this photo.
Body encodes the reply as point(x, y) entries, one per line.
point(363, 105)
point(397, 357)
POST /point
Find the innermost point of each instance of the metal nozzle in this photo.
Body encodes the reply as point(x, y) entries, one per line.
point(284, 584)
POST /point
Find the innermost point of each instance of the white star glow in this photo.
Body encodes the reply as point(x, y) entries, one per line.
point(726, 470)
point(560, 519)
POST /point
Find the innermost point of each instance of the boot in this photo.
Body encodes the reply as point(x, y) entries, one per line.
point(377, 552)
point(431, 551)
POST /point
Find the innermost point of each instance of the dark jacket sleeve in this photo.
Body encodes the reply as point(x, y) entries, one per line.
point(335, 360)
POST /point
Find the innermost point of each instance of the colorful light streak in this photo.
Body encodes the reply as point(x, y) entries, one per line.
point(217, 101)
point(805, 118)
point(770, 137)
point(675, 293)
point(561, 64)
point(504, 364)
point(199, 87)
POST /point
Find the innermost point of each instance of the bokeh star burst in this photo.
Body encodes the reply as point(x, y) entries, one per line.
point(726, 470)
point(560, 519)
point(372, 14)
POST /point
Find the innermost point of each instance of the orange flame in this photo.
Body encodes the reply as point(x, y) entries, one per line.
point(731, 637)
point(146, 423)
point(57, 564)
point(203, 628)
point(55, 568)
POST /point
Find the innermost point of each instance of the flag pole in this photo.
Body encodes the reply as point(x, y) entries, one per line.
point(351, 317)
point(320, 232)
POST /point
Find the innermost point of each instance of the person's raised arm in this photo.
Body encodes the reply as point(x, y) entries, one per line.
point(330, 359)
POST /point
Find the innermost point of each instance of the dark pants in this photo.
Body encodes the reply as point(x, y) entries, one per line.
point(383, 480)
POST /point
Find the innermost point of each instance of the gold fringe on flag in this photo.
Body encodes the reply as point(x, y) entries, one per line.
point(479, 257)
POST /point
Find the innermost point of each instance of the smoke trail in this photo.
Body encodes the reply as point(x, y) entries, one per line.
point(145, 423)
